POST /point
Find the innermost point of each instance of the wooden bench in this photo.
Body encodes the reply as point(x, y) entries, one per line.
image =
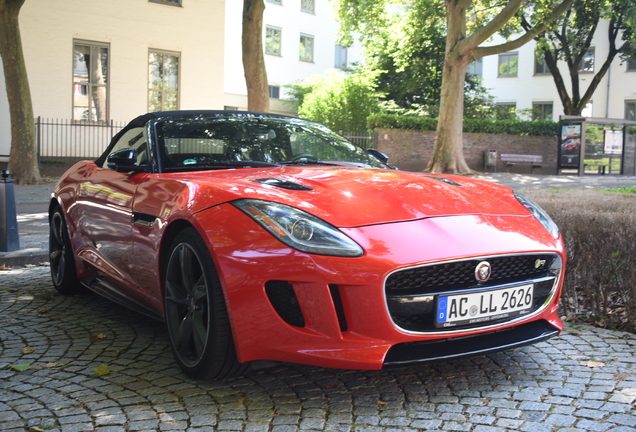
point(599, 166)
point(535, 161)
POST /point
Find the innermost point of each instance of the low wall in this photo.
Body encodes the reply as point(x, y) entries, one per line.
point(411, 150)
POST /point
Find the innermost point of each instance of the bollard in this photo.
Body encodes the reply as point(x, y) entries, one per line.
point(9, 239)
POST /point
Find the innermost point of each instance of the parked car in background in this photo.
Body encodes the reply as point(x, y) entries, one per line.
point(264, 237)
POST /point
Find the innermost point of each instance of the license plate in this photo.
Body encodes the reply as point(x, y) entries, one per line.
point(482, 307)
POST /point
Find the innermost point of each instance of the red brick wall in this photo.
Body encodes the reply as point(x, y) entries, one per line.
point(411, 150)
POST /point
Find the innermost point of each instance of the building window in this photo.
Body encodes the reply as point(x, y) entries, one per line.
point(508, 64)
point(306, 48)
point(230, 108)
point(540, 65)
point(90, 81)
point(163, 81)
point(631, 64)
point(587, 62)
point(542, 111)
point(167, 2)
point(272, 40)
point(630, 110)
point(274, 92)
point(476, 68)
point(308, 6)
point(341, 57)
point(587, 111)
point(506, 111)
point(278, 2)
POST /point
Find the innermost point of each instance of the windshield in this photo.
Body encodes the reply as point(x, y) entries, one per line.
point(192, 143)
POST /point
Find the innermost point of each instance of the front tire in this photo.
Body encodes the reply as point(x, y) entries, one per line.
point(61, 259)
point(196, 314)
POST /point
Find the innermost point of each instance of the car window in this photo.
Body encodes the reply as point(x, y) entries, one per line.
point(188, 143)
point(134, 138)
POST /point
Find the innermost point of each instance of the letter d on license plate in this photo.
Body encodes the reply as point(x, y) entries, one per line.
point(484, 306)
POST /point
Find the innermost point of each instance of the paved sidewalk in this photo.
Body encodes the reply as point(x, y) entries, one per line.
point(32, 205)
point(583, 380)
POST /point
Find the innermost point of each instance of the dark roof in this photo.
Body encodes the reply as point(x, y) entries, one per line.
point(143, 119)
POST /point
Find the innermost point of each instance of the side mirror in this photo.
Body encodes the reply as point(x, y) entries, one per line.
point(124, 161)
point(382, 157)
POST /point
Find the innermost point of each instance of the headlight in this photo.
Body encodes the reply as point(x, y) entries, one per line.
point(540, 214)
point(298, 229)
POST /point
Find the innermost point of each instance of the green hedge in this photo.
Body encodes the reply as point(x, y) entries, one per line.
point(509, 127)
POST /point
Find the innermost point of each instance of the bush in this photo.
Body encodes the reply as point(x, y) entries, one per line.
point(510, 127)
point(599, 229)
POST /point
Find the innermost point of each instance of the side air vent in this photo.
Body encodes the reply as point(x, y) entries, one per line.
point(283, 184)
point(283, 298)
point(337, 303)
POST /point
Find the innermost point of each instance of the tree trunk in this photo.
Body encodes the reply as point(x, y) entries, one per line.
point(448, 154)
point(253, 57)
point(23, 159)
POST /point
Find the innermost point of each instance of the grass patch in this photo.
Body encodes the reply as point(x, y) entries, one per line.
point(625, 190)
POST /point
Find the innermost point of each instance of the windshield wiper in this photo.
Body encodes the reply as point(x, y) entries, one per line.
point(221, 165)
point(308, 162)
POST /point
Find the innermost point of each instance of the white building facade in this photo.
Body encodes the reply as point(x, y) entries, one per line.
point(300, 38)
point(516, 79)
point(88, 61)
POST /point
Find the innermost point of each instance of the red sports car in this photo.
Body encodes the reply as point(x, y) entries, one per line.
point(264, 237)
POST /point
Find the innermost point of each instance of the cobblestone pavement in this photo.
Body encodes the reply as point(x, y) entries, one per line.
point(584, 380)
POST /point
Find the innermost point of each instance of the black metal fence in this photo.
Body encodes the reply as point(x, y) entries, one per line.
point(69, 139)
point(365, 139)
point(61, 138)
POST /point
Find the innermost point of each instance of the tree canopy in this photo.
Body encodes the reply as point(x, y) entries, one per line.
point(570, 39)
point(468, 24)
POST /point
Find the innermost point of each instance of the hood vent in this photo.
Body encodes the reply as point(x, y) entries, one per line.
point(283, 184)
point(445, 180)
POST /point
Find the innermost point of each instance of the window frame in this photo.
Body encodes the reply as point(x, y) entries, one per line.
point(274, 29)
point(163, 92)
point(540, 64)
point(631, 64)
point(273, 91)
point(278, 2)
point(340, 52)
point(93, 45)
point(629, 102)
point(311, 10)
point(513, 54)
point(581, 70)
point(476, 68)
point(542, 116)
point(313, 44)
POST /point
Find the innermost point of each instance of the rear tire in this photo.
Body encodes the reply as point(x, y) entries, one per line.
point(196, 314)
point(61, 259)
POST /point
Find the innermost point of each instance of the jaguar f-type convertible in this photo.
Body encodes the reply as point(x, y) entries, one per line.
point(264, 237)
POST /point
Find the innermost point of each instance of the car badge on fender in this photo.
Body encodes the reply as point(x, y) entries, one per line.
point(483, 271)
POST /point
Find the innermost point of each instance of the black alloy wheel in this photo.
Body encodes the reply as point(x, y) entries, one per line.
point(62, 262)
point(196, 313)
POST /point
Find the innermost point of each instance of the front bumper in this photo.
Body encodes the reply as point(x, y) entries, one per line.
point(344, 319)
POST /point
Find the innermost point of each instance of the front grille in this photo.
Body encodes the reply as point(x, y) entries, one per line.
point(411, 293)
point(459, 275)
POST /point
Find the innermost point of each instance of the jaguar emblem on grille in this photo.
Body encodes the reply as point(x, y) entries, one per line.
point(483, 271)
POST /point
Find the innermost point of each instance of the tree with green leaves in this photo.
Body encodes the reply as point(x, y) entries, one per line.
point(469, 23)
point(343, 102)
point(570, 37)
point(253, 57)
point(23, 159)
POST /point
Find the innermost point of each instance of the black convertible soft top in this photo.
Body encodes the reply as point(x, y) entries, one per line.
point(143, 119)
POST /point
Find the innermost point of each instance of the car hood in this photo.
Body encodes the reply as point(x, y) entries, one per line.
point(352, 197)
